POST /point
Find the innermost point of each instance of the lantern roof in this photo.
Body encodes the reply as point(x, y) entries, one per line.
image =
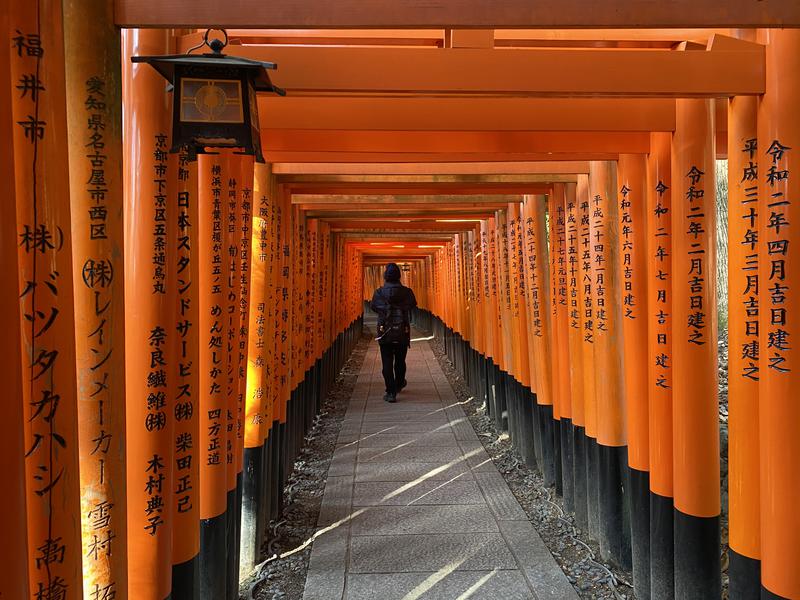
point(165, 65)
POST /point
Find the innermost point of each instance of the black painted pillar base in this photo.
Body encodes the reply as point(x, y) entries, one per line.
point(527, 402)
point(640, 531)
point(548, 447)
point(662, 547)
point(579, 462)
point(744, 577)
point(511, 410)
point(697, 561)
point(538, 434)
point(557, 457)
point(568, 464)
point(231, 543)
point(615, 541)
point(186, 580)
point(593, 486)
point(213, 557)
point(252, 523)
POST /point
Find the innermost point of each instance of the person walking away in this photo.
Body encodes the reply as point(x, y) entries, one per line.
point(393, 303)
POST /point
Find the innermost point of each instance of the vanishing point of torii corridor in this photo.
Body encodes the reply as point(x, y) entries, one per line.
point(595, 202)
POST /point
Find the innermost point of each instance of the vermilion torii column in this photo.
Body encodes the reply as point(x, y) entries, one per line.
point(609, 376)
point(779, 302)
point(538, 289)
point(590, 449)
point(253, 524)
point(575, 301)
point(44, 299)
point(14, 550)
point(632, 260)
point(183, 198)
point(94, 108)
point(556, 249)
point(150, 318)
point(694, 348)
point(743, 358)
point(660, 363)
point(560, 198)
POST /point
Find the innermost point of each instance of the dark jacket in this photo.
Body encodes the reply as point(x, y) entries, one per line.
point(389, 300)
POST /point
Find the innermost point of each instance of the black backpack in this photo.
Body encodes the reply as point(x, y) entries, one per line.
point(394, 327)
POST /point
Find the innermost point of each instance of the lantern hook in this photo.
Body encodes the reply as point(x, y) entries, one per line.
point(216, 45)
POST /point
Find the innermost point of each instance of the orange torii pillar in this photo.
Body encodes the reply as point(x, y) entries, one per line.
point(609, 375)
point(590, 449)
point(561, 373)
point(518, 396)
point(492, 323)
point(490, 331)
point(527, 398)
point(575, 337)
point(779, 303)
point(659, 363)
point(44, 304)
point(694, 345)
point(94, 102)
point(632, 259)
point(213, 400)
point(186, 354)
point(503, 310)
point(541, 323)
point(743, 361)
point(13, 519)
point(150, 318)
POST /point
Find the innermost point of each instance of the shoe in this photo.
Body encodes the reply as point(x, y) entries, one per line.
point(402, 385)
point(389, 397)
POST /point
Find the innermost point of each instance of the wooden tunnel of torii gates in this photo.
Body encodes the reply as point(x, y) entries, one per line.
point(544, 172)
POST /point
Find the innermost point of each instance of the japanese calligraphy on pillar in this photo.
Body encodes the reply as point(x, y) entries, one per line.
point(157, 416)
point(585, 247)
point(46, 302)
point(232, 312)
point(599, 267)
point(662, 287)
point(99, 346)
point(626, 233)
point(186, 330)
point(215, 334)
point(535, 283)
point(748, 204)
point(776, 226)
point(696, 256)
point(573, 265)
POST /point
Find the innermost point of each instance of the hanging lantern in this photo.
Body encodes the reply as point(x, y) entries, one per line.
point(214, 102)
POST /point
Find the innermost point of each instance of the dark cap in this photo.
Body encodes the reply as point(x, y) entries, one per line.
point(392, 272)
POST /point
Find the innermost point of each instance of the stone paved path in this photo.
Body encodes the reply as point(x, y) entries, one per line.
point(415, 508)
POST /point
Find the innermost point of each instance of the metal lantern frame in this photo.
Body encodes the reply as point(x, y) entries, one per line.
point(215, 97)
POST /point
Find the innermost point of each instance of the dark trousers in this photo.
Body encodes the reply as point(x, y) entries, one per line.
point(393, 357)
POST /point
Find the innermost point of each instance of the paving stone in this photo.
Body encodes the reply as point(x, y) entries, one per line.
point(461, 490)
point(475, 585)
point(406, 472)
point(326, 569)
point(402, 426)
point(343, 461)
point(336, 500)
point(404, 553)
point(409, 454)
point(396, 520)
point(540, 568)
point(389, 440)
point(501, 501)
point(477, 457)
